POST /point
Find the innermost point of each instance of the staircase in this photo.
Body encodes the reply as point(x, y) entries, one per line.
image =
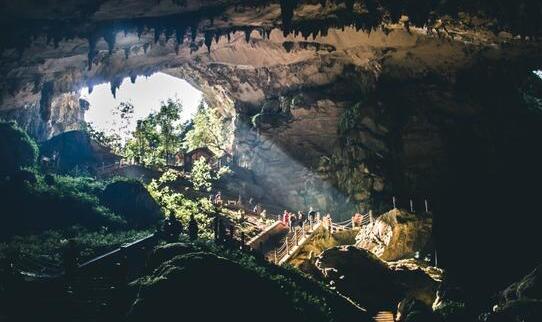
point(384, 316)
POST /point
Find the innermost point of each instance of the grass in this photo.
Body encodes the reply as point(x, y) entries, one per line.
point(49, 244)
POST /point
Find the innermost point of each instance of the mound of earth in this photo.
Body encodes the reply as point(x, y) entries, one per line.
point(205, 287)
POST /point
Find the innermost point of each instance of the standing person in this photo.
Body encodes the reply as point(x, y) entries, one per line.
point(221, 231)
point(172, 228)
point(300, 218)
point(70, 258)
point(193, 229)
point(312, 215)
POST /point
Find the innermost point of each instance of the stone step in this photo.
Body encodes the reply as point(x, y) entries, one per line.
point(384, 316)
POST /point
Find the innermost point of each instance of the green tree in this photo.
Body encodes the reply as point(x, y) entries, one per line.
point(113, 141)
point(202, 175)
point(208, 131)
point(143, 146)
point(179, 205)
point(166, 120)
point(158, 137)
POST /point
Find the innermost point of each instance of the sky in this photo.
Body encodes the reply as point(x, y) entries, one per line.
point(145, 94)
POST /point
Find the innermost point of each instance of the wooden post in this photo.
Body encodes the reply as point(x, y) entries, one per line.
point(436, 259)
point(371, 219)
point(287, 247)
point(411, 206)
point(394, 205)
point(426, 206)
point(276, 260)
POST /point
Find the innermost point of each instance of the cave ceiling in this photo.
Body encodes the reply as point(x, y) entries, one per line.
point(247, 51)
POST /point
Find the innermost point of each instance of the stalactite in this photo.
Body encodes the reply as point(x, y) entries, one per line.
point(46, 98)
point(110, 36)
point(247, 31)
point(115, 84)
point(92, 40)
point(287, 12)
point(157, 34)
point(208, 40)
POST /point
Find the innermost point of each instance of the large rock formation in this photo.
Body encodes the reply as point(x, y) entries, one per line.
point(373, 283)
point(396, 235)
point(336, 104)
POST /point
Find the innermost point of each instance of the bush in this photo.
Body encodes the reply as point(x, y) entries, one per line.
point(30, 206)
point(17, 149)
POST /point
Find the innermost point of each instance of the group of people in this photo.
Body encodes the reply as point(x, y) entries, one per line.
point(172, 228)
point(291, 219)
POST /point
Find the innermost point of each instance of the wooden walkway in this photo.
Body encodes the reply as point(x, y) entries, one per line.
point(384, 316)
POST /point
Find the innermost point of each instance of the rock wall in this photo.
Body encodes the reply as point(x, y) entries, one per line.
point(396, 235)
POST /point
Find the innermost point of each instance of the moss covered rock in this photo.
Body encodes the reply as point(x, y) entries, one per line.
point(131, 200)
point(17, 149)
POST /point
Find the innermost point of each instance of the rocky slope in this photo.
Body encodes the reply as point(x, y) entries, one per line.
point(396, 235)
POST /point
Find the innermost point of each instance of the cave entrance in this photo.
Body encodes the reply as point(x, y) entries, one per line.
point(116, 109)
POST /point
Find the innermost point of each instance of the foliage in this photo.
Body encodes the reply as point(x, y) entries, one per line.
point(17, 149)
point(113, 141)
point(182, 207)
point(208, 131)
point(201, 175)
point(350, 118)
point(34, 207)
point(158, 137)
point(49, 244)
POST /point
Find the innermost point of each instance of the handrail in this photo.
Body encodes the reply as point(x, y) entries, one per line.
point(115, 251)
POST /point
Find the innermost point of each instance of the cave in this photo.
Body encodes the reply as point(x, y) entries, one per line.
point(344, 106)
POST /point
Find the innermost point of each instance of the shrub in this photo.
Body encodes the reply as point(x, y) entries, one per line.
point(17, 149)
point(29, 207)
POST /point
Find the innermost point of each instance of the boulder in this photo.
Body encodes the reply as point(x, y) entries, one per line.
point(396, 234)
point(131, 200)
point(371, 282)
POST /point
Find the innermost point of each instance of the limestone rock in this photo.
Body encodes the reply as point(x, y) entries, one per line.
point(132, 201)
point(396, 234)
point(371, 282)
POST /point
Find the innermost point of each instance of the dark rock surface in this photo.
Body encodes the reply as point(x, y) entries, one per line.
point(371, 282)
point(132, 201)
